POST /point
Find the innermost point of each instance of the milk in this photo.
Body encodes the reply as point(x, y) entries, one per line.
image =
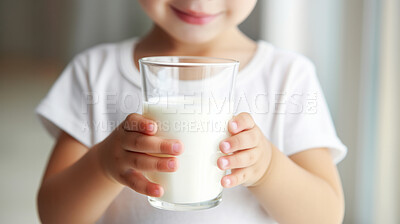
point(201, 125)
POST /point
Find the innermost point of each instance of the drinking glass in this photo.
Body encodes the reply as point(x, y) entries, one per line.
point(190, 99)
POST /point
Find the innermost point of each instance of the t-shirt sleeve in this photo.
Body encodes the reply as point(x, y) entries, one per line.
point(308, 123)
point(64, 107)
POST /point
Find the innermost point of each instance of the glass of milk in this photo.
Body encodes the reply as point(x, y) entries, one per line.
point(190, 99)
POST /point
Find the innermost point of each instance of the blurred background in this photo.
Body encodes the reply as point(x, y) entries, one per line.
point(354, 44)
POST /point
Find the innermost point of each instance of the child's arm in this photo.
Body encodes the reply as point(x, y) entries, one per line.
point(79, 184)
point(74, 189)
point(304, 188)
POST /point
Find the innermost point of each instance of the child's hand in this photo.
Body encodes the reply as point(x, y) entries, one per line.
point(251, 152)
point(123, 154)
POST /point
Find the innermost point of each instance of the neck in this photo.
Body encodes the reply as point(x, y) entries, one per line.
point(229, 44)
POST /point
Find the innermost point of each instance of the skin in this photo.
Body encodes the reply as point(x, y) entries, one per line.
point(302, 188)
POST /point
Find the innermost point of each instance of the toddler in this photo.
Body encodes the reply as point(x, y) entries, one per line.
point(282, 151)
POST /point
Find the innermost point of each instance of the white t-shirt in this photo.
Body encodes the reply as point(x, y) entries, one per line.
point(280, 89)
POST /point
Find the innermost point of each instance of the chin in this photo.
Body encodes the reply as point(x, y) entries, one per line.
point(194, 37)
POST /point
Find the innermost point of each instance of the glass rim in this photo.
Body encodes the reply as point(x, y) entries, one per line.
point(214, 61)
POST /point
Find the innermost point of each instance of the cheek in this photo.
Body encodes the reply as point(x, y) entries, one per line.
point(239, 10)
point(155, 9)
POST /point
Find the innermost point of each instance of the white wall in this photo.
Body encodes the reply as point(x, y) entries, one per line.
point(387, 195)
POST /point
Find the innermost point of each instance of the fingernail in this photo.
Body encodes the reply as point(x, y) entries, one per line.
point(171, 164)
point(150, 127)
point(225, 146)
point(234, 125)
point(157, 192)
point(224, 163)
point(227, 181)
point(176, 148)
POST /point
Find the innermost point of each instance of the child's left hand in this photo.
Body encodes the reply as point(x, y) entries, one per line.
point(251, 152)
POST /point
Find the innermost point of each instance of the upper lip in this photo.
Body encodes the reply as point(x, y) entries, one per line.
point(194, 13)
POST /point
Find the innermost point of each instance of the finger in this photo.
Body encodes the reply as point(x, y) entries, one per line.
point(140, 184)
point(239, 159)
point(138, 142)
point(243, 140)
point(143, 162)
point(240, 122)
point(237, 177)
point(138, 123)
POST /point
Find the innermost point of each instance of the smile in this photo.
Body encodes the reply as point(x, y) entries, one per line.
point(196, 18)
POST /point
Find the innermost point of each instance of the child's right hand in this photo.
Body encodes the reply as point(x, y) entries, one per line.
point(123, 154)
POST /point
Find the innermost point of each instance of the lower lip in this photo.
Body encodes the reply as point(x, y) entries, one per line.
point(196, 20)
